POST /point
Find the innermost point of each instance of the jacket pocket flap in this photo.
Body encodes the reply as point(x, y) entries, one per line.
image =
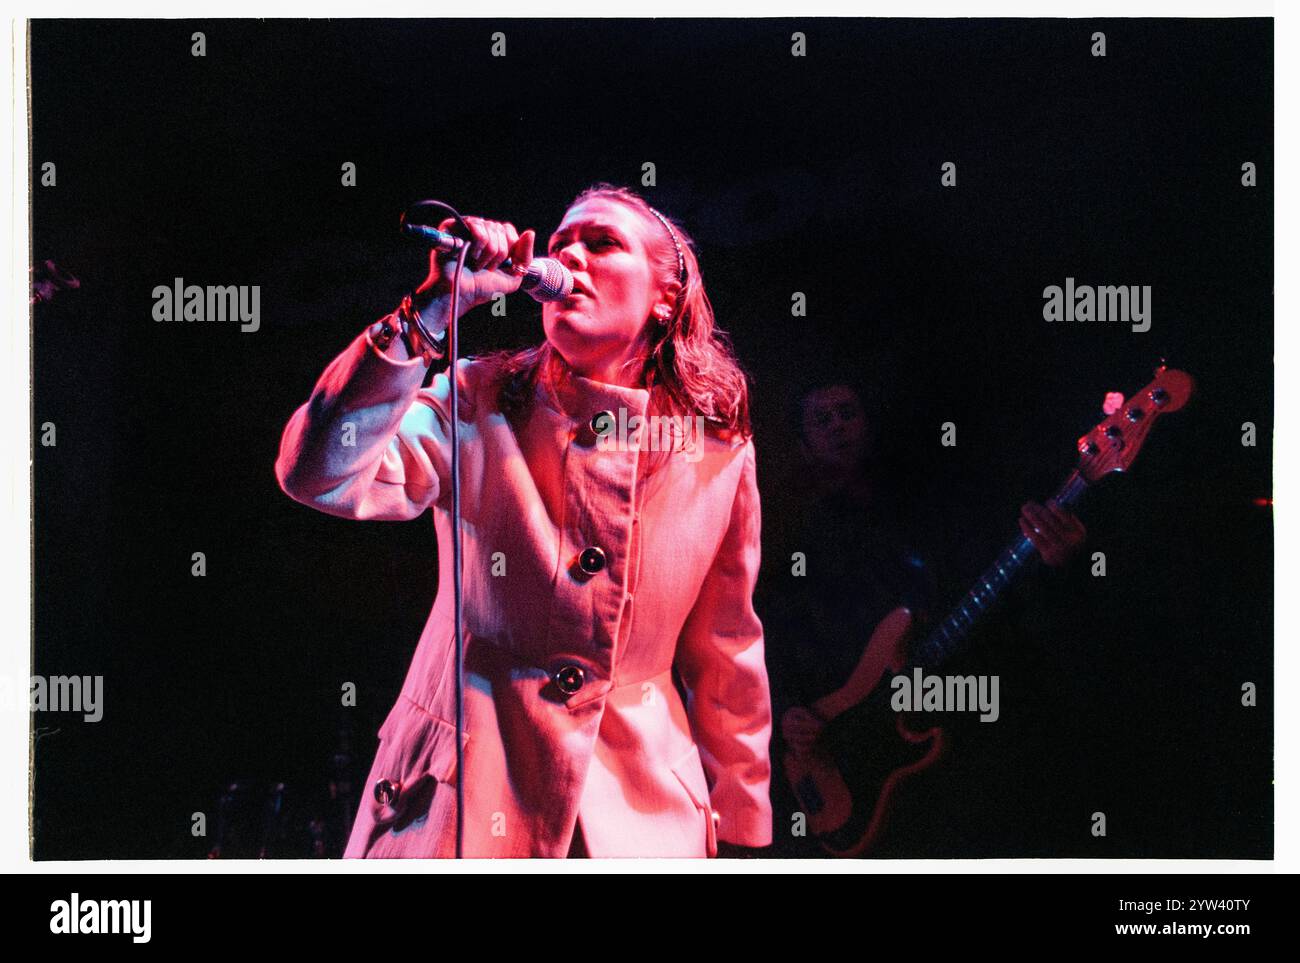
point(414, 745)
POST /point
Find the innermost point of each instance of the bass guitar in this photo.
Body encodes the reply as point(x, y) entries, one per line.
point(847, 822)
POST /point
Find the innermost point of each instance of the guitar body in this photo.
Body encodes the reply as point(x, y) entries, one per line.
point(847, 815)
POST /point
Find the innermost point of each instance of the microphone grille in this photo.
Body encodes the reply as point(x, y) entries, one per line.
point(548, 280)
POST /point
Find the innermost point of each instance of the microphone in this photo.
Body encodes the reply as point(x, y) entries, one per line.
point(547, 279)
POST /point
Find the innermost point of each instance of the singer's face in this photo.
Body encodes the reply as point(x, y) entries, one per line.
point(605, 244)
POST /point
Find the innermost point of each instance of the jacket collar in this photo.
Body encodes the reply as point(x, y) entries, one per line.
point(581, 398)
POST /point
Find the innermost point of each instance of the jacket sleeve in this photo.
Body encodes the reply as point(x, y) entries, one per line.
point(720, 659)
point(370, 443)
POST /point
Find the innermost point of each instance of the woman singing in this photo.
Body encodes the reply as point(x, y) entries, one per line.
point(616, 701)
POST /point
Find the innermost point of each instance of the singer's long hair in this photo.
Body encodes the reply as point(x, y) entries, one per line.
point(691, 368)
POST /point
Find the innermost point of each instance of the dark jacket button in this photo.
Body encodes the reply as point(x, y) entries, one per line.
point(569, 679)
point(601, 423)
point(592, 560)
point(387, 791)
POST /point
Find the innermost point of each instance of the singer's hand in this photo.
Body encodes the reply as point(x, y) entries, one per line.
point(483, 278)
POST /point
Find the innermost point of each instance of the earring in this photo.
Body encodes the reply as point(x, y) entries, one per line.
point(662, 314)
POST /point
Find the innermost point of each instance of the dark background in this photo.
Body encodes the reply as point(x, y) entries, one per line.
point(816, 174)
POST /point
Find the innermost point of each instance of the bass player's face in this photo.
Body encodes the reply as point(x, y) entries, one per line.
point(835, 427)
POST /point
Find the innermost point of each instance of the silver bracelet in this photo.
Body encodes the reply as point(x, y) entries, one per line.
point(432, 347)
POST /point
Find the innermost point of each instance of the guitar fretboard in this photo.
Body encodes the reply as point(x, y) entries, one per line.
point(988, 590)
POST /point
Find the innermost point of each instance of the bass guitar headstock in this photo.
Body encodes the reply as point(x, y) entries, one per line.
point(1114, 444)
